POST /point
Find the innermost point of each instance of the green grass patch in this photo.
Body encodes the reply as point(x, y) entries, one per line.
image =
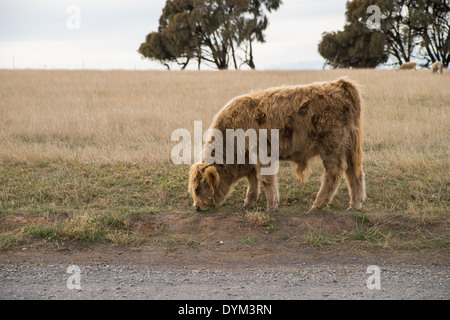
point(249, 240)
point(86, 203)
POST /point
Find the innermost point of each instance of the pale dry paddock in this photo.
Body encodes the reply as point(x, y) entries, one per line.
point(118, 116)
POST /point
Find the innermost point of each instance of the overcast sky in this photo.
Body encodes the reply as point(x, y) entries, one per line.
point(44, 33)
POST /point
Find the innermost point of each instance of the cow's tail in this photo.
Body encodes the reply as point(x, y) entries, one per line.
point(356, 153)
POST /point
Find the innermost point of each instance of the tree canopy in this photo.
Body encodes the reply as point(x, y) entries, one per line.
point(213, 32)
point(409, 30)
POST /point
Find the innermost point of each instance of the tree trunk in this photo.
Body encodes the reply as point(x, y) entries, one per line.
point(233, 55)
point(184, 65)
point(251, 62)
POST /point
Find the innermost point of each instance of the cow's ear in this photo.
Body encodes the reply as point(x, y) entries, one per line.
point(212, 178)
point(195, 173)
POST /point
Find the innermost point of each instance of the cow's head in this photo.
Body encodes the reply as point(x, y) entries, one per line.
point(204, 181)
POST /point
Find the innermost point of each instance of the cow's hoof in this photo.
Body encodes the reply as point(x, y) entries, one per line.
point(268, 211)
point(248, 207)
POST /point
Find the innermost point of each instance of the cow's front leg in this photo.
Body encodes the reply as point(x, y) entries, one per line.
point(252, 191)
point(270, 184)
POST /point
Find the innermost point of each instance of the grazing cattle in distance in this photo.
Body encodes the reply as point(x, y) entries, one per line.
point(321, 119)
point(437, 67)
point(408, 66)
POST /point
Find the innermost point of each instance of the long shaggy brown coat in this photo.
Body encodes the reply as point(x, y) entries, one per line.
point(408, 66)
point(320, 119)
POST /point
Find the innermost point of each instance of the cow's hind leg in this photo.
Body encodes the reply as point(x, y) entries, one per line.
point(252, 191)
point(334, 170)
point(356, 187)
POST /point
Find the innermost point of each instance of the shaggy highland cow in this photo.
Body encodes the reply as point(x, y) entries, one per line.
point(408, 66)
point(437, 67)
point(320, 119)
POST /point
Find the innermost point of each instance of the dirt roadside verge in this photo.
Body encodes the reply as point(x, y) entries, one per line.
point(235, 241)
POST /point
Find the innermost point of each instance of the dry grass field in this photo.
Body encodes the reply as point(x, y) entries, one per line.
point(85, 157)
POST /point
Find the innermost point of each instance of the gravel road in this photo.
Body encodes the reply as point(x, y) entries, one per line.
point(299, 281)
